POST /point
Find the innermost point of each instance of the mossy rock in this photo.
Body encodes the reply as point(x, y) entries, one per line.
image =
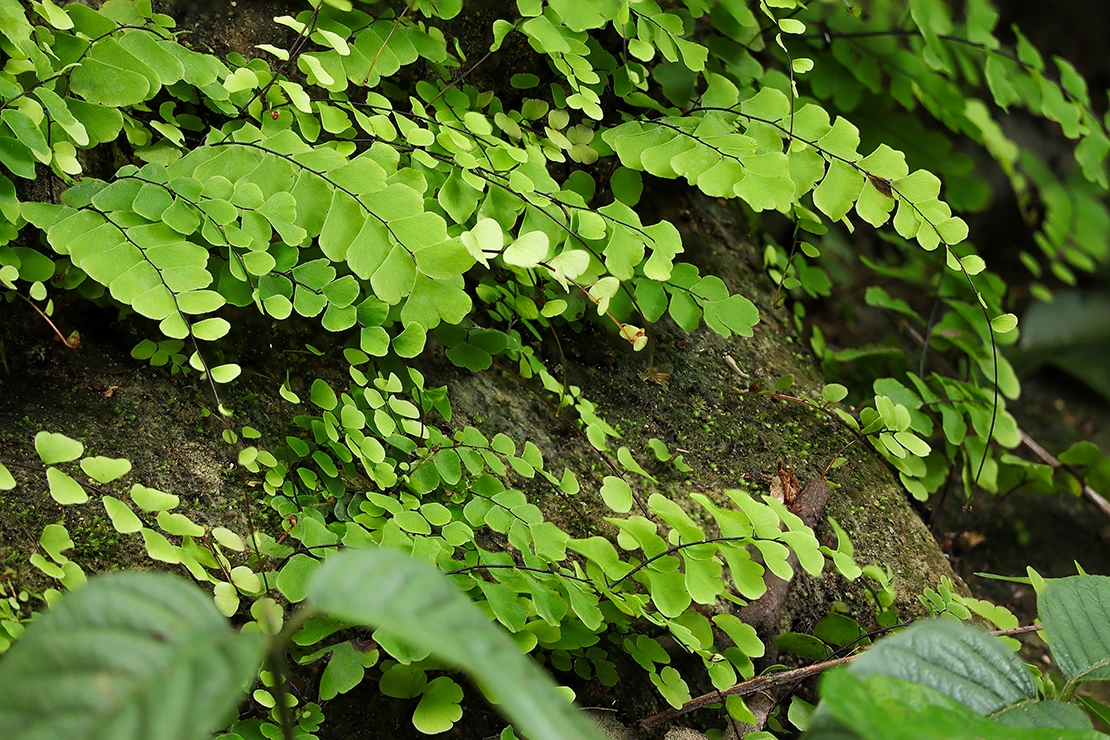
point(730, 439)
point(695, 404)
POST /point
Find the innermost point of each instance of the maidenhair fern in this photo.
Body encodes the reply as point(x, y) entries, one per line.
point(362, 178)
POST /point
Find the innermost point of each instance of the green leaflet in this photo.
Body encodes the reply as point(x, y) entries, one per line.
point(389, 199)
point(14, 24)
point(111, 76)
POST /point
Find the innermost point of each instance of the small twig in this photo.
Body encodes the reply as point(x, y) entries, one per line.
point(47, 319)
point(1046, 457)
point(771, 680)
point(839, 454)
point(275, 659)
point(577, 430)
point(779, 300)
point(679, 548)
point(929, 327)
point(294, 52)
point(982, 516)
point(1017, 630)
point(793, 399)
point(759, 683)
point(828, 36)
point(512, 566)
point(464, 75)
point(392, 30)
point(42, 469)
point(934, 518)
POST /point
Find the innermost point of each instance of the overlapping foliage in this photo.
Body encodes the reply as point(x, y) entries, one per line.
point(174, 666)
point(935, 679)
point(357, 179)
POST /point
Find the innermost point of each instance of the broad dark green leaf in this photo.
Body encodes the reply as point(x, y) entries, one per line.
point(1046, 714)
point(961, 662)
point(131, 656)
point(388, 589)
point(1076, 616)
point(886, 708)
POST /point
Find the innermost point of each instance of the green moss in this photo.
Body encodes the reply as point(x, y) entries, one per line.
point(117, 414)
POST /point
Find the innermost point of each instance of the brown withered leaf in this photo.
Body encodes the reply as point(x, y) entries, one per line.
point(657, 375)
point(777, 491)
point(789, 482)
point(881, 184)
point(970, 540)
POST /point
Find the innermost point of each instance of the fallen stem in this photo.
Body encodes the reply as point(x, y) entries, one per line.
point(793, 399)
point(771, 680)
point(1048, 458)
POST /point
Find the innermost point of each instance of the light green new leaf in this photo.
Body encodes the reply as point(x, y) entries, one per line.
point(292, 579)
point(769, 104)
point(344, 671)
point(156, 55)
point(57, 448)
point(105, 469)
point(433, 301)
point(179, 525)
point(484, 240)
point(410, 342)
point(569, 265)
point(153, 500)
point(528, 250)
point(322, 395)
point(389, 590)
point(228, 539)
point(240, 80)
point(28, 133)
point(123, 519)
point(159, 548)
point(14, 24)
point(736, 314)
point(444, 260)
point(393, 280)
point(7, 482)
point(1004, 323)
point(109, 76)
point(225, 373)
point(617, 494)
point(920, 186)
point(209, 330)
point(839, 190)
point(55, 540)
point(64, 489)
point(226, 598)
point(402, 681)
point(439, 709)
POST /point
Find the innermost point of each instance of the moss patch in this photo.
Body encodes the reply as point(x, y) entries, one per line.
point(115, 407)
